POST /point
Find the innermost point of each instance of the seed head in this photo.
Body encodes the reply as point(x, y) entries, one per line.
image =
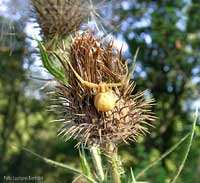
point(59, 18)
point(93, 61)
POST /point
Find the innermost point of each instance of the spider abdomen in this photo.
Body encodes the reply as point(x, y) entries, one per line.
point(105, 101)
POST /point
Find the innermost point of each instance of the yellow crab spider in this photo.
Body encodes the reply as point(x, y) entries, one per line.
point(105, 99)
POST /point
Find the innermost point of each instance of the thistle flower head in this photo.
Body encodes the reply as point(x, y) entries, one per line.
point(59, 18)
point(91, 63)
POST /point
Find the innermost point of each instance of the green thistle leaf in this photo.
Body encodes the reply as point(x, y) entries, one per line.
point(57, 72)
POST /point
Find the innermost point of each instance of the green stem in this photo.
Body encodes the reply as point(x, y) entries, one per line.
point(187, 150)
point(96, 158)
point(114, 163)
point(163, 156)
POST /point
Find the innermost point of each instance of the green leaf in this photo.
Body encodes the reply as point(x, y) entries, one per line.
point(58, 73)
point(84, 164)
point(58, 164)
point(52, 162)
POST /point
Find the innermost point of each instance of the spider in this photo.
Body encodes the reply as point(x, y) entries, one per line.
point(105, 99)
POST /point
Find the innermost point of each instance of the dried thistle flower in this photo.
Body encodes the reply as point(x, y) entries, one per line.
point(94, 62)
point(59, 18)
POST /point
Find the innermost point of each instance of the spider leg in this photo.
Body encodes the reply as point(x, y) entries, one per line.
point(113, 84)
point(89, 84)
point(126, 79)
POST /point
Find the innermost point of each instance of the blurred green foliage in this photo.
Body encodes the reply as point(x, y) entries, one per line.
point(168, 65)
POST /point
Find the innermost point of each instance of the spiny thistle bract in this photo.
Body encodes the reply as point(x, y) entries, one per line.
point(97, 61)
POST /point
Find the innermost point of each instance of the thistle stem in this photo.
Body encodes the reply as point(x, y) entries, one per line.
point(96, 158)
point(114, 163)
